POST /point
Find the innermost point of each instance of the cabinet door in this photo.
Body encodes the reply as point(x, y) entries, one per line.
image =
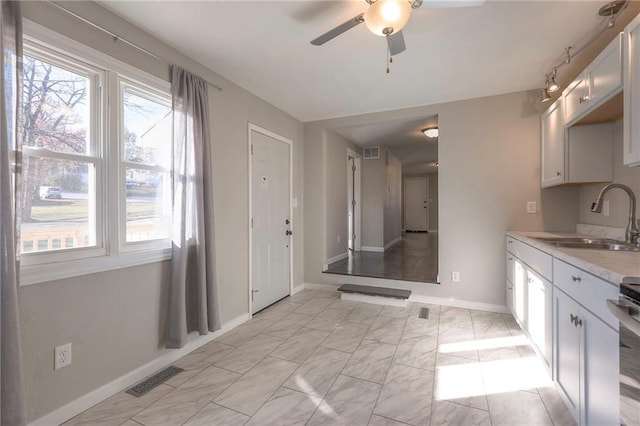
point(605, 73)
point(631, 77)
point(553, 150)
point(510, 297)
point(575, 98)
point(520, 293)
point(601, 401)
point(539, 312)
point(567, 350)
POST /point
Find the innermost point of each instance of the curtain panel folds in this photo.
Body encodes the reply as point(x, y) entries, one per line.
point(193, 295)
point(12, 399)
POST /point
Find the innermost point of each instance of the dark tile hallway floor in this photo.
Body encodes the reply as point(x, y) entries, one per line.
point(415, 258)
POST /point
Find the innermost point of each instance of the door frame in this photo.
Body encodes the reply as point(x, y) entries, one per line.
point(358, 197)
point(255, 128)
point(404, 199)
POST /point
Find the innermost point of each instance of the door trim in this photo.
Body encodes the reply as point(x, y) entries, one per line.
point(358, 196)
point(255, 128)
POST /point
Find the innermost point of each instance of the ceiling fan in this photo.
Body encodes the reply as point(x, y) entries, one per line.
point(388, 17)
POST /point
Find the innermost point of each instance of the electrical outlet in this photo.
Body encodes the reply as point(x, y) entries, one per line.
point(605, 208)
point(455, 276)
point(62, 356)
point(531, 207)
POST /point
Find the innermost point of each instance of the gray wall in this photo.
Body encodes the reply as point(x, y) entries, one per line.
point(618, 200)
point(433, 196)
point(392, 200)
point(337, 202)
point(489, 155)
point(114, 319)
point(373, 200)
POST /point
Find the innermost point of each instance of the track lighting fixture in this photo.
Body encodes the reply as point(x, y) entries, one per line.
point(609, 12)
point(544, 96)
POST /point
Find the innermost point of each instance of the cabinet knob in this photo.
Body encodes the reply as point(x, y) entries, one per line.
point(558, 173)
point(511, 258)
point(575, 279)
point(510, 288)
point(573, 319)
point(583, 99)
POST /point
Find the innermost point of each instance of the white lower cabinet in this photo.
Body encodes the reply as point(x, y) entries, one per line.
point(586, 363)
point(563, 310)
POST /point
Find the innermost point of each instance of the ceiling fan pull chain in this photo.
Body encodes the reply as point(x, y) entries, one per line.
point(389, 60)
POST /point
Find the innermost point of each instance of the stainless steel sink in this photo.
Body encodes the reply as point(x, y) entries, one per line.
point(589, 243)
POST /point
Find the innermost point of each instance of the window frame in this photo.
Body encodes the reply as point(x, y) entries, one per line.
point(113, 253)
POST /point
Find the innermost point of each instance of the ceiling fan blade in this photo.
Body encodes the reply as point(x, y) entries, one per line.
point(396, 43)
point(437, 4)
point(331, 34)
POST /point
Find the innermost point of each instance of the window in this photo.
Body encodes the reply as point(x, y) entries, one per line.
point(146, 146)
point(97, 178)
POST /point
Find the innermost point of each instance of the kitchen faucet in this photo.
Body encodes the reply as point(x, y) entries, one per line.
point(632, 233)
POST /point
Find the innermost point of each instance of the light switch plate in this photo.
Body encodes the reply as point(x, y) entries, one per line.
point(531, 207)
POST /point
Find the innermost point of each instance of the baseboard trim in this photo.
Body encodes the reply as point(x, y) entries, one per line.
point(457, 303)
point(297, 289)
point(323, 287)
point(393, 243)
point(98, 395)
point(337, 258)
point(375, 249)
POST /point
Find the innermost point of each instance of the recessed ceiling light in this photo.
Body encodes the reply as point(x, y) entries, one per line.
point(430, 132)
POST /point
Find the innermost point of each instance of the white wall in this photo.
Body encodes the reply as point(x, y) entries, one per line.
point(489, 155)
point(337, 199)
point(115, 319)
point(618, 199)
point(392, 200)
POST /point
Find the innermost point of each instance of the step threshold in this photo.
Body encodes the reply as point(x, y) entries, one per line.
point(377, 295)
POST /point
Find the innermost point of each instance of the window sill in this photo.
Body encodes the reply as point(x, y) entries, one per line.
point(36, 274)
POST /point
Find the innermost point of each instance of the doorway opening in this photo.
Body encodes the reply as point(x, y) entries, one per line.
point(398, 233)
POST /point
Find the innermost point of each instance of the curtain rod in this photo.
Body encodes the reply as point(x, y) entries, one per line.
point(116, 37)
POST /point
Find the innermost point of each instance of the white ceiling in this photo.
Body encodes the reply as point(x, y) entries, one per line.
point(452, 53)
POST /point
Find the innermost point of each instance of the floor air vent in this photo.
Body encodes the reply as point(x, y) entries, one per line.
point(424, 313)
point(153, 381)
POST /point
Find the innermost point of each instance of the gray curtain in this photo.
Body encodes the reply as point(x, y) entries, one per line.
point(193, 295)
point(12, 408)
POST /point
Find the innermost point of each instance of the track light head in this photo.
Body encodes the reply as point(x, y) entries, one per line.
point(544, 96)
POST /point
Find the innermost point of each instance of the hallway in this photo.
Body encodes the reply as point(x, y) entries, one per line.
point(415, 258)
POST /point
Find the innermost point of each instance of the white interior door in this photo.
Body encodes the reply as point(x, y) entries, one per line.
point(353, 200)
point(416, 204)
point(270, 205)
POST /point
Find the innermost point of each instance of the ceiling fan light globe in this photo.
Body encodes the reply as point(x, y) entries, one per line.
point(387, 14)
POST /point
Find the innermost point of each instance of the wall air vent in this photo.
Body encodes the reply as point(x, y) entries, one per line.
point(371, 152)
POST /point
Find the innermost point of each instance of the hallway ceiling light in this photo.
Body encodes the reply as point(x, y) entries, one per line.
point(430, 132)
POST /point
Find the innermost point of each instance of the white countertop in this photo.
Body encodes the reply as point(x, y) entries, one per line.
point(611, 266)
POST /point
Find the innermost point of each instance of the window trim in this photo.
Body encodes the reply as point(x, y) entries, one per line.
point(113, 253)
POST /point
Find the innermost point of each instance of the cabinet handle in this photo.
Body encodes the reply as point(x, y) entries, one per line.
point(510, 242)
point(530, 280)
point(575, 279)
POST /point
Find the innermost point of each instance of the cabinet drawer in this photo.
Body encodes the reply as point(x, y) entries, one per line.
point(588, 290)
point(513, 246)
point(537, 260)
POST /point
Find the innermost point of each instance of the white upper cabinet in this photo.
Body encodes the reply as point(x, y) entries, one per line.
point(553, 145)
point(631, 77)
point(595, 85)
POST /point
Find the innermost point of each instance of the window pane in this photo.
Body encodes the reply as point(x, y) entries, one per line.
point(57, 205)
point(148, 205)
point(55, 108)
point(147, 130)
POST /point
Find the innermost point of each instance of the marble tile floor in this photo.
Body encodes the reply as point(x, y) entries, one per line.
point(313, 359)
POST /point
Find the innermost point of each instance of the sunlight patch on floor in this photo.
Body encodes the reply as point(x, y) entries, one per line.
point(494, 343)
